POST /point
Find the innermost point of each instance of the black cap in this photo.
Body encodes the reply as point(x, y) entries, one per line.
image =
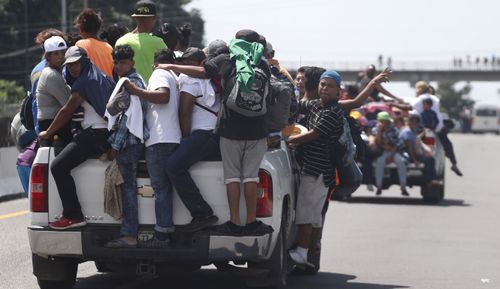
point(193, 53)
point(144, 8)
point(248, 35)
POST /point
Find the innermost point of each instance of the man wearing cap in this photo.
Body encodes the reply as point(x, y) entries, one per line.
point(387, 138)
point(198, 110)
point(324, 123)
point(142, 42)
point(90, 91)
point(52, 92)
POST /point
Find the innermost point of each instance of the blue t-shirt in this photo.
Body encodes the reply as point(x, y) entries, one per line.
point(429, 119)
point(408, 135)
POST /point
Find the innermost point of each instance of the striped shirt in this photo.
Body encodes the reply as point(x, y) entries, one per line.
point(327, 120)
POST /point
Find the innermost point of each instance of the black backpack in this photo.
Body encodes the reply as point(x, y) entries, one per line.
point(278, 105)
point(26, 112)
point(356, 138)
point(253, 103)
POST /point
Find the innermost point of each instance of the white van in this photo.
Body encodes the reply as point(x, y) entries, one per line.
point(485, 118)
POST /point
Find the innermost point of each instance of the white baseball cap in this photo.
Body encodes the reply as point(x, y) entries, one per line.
point(54, 43)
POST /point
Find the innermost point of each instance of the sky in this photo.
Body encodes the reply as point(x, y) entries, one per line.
point(356, 32)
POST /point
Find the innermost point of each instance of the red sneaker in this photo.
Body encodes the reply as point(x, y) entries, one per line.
point(64, 223)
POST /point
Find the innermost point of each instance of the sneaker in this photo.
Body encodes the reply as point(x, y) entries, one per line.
point(456, 170)
point(404, 192)
point(155, 243)
point(230, 229)
point(65, 223)
point(379, 192)
point(369, 187)
point(198, 223)
point(298, 259)
point(257, 228)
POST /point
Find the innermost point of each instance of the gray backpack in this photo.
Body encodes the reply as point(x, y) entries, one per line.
point(253, 103)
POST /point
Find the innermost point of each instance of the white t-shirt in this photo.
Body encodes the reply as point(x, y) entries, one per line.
point(91, 118)
point(204, 92)
point(163, 119)
point(418, 105)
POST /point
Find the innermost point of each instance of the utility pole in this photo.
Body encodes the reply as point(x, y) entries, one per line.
point(27, 79)
point(64, 18)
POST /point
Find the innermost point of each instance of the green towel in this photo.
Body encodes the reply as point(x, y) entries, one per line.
point(246, 55)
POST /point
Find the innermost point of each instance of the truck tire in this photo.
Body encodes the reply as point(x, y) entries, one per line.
point(431, 195)
point(278, 263)
point(56, 273)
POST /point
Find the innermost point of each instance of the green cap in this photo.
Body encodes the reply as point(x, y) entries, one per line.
point(383, 115)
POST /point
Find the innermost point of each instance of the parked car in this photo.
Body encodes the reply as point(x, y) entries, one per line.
point(56, 254)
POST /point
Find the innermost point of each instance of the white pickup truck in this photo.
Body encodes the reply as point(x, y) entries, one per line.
point(56, 254)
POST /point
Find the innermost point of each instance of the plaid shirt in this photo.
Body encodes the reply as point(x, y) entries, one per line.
point(121, 137)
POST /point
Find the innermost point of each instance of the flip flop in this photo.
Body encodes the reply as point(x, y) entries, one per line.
point(119, 243)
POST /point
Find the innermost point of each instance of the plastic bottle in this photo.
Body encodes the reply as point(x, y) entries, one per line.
point(296, 92)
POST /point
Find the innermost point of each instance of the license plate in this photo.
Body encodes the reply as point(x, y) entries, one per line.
point(143, 236)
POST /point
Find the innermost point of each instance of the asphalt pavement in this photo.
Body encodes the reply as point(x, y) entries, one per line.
point(369, 242)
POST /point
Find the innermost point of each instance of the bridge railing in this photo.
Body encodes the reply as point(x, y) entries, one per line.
point(417, 65)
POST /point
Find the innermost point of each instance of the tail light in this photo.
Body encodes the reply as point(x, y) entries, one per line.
point(39, 188)
point(429, 138)
point(264, 195)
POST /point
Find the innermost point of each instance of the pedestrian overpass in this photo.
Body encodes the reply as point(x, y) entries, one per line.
point(410, 71)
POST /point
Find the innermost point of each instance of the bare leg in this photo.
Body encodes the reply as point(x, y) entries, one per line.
point(233, 197)
point(251, 201)
point(305, 232)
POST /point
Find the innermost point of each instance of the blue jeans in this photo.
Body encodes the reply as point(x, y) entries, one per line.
point(127, 163)
point(156, 159)
point(198, 146)
point(24, 176)
point(400, 164)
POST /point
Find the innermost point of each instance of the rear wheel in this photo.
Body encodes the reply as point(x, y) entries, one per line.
point(278, 263)
point(432, 194)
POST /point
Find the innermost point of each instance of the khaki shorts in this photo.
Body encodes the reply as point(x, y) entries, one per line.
point(310, 200)
point(241, 159)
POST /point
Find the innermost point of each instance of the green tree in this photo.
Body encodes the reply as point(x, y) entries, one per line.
point(10, 92)
point(453, 99)
point(17, 32)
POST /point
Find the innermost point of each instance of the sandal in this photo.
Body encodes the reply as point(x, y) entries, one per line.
point(120, 243)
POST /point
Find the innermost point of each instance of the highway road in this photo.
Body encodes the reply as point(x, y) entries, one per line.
point(369, 242)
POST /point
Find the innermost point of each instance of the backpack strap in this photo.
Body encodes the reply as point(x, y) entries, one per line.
point(204, 107)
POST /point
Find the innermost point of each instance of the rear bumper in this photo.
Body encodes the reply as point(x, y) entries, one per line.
point(201, 247)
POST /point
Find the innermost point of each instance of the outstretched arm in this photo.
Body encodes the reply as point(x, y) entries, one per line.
point(348, 105)
point(158, 96)
point(387, 93)
point(189, 70)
